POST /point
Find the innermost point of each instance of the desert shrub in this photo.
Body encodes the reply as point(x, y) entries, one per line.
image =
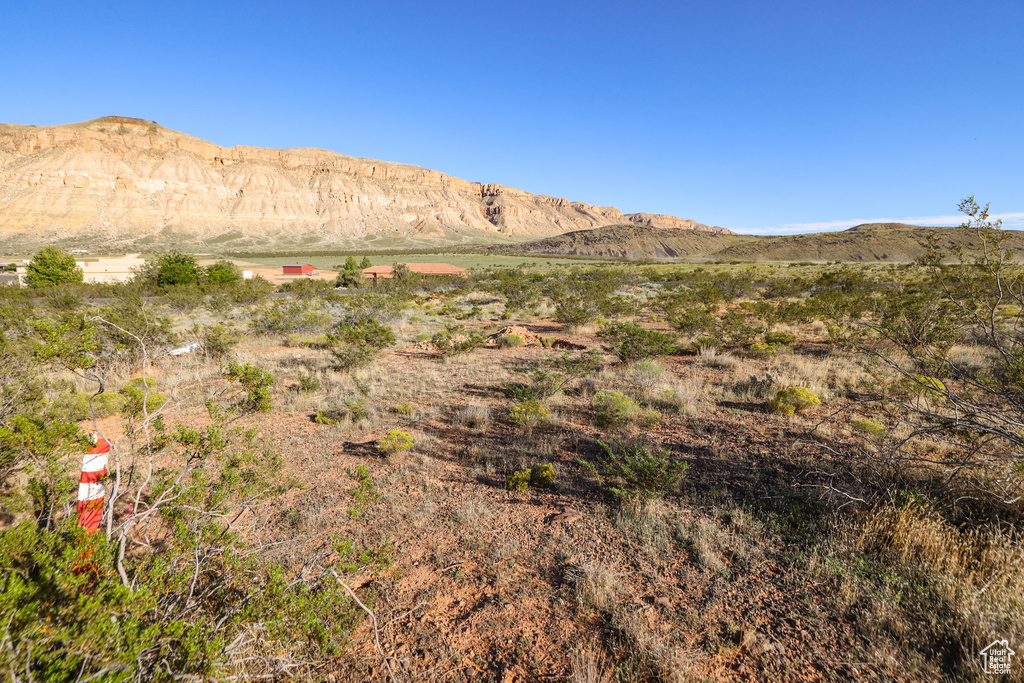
point(614, 410)
point(362, 342)
point(423, 336)
point(794, 400)
point(325, 417)
point(248, 292)
point(357, 409)
point(645, 376)
point(140, 398)
point(528, 413)
point(165, 610)
point(219, 341)
point(925, 384)
point(631, 342)
point(128, 327)
point(365, 492)
point(308, 289)
point(649, 419)
point(75, 407)
point(549, 376)
point(510, 341)
point(518, 481)
point(695, 321)
point(573, 310)
point(776, 337)
point(636, 470)
point(256, 381)
point(309, 384)
point(288, 317)
point(762, 350)
point(401, 409)
point(868, 426)
point(396, 441)
point(453, 340)
point(543, 476)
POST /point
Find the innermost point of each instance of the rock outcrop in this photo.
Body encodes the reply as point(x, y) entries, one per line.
point(118, 181)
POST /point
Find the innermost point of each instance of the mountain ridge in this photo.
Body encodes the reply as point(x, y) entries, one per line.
point(131, 182)
point(868, 242)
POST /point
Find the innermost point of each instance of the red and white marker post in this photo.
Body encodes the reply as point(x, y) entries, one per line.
point(91, 494)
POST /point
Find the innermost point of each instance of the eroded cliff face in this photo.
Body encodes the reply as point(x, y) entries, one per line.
point(129, 181)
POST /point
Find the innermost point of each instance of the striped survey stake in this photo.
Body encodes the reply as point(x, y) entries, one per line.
point(90, 489)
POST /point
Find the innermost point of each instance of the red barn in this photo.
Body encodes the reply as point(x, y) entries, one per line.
point(298, 269)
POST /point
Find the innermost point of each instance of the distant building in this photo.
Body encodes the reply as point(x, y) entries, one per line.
point(9, 279)
point(299, 269)
point(246, 274)
point(424, 269)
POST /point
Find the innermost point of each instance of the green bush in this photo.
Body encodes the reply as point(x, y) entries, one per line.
point(256, 381)
point(75, 407)
point(219, 341)
point(401, 409)
point(140, 398)
point(775, 337)
point(396, 441)
point(510, 341)
point(51, 267)
point(762, 350)
point(453, 340)
point(926, 384)
point(794, 400)
point(543, 476)
point(632, 342)
point(324, 417)
point(637, 471)
point(869, 427)
point(357, 409)
point(614, 410)
point(528, 413)
point(309, 384)
point(518, 481)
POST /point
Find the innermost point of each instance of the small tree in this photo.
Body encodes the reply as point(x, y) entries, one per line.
point(51, 266)
point(177, 268)
point(349, 275)
point(223, 273)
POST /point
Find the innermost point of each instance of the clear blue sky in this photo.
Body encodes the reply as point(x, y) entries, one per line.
point(757, 116)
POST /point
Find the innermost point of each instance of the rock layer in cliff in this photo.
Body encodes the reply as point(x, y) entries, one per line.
point(131, 183)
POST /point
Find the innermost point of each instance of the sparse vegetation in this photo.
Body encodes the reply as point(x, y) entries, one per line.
point(894, 515)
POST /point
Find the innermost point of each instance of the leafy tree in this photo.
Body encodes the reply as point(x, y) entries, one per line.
point(349, 275)
point(365, 263)
point(51, 266)
point(177, 268)
point(402, 276)
point(223, 273)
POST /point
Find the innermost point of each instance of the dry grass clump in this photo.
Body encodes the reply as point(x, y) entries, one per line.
point(589, 665)
point(910, 576)
point(473, 416)
point(660, 659)
point(595, 584)
point(714, 358)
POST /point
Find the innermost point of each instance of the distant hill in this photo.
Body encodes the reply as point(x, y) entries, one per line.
point(869, 242)
point(124, 183)
point(629, 241)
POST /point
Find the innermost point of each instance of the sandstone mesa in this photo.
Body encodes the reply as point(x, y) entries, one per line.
point(123, 181)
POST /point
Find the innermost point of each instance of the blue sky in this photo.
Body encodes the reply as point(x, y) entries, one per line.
point(766, 117)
